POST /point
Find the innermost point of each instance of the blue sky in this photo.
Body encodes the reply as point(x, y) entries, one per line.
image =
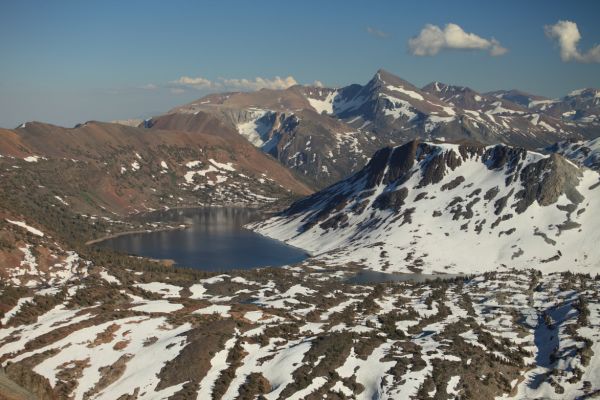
point(70, 61)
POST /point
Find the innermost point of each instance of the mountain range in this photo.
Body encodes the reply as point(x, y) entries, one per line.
point(250, 148)
point(484, 190)
point(325, 133)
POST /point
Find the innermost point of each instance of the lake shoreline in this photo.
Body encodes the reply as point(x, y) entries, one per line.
point(218, 239)
point(134, 232)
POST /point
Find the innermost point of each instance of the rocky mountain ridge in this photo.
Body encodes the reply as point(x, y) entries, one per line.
point(426, 207)
point(327, 133)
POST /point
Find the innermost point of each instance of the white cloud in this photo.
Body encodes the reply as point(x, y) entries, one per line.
point(196, 83)
point(235, 83)
point(567, 35)
point(177, 90)
point(318, 83)
point(432, 39)
point(259, 83)
point(149, 86)
point(377, 32)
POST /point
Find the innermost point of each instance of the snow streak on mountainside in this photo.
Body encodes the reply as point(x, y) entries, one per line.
point(504, 115)
point(452, 208)
point(521, 98)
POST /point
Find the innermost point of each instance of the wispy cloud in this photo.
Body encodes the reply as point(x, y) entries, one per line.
point(257, 83)
point(377, 32)
point(149, 86)
point(196, 83)
point(566, 34)
point(432, 39)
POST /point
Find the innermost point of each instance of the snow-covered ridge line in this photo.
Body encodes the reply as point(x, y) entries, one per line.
point(452, 208)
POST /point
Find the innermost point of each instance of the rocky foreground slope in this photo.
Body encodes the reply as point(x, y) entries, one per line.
point(452, 208)
point(120, 328)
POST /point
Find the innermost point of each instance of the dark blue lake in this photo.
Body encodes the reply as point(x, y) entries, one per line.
point(214, 241)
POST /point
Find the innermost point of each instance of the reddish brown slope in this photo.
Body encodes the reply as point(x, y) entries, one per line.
point(97, 142)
